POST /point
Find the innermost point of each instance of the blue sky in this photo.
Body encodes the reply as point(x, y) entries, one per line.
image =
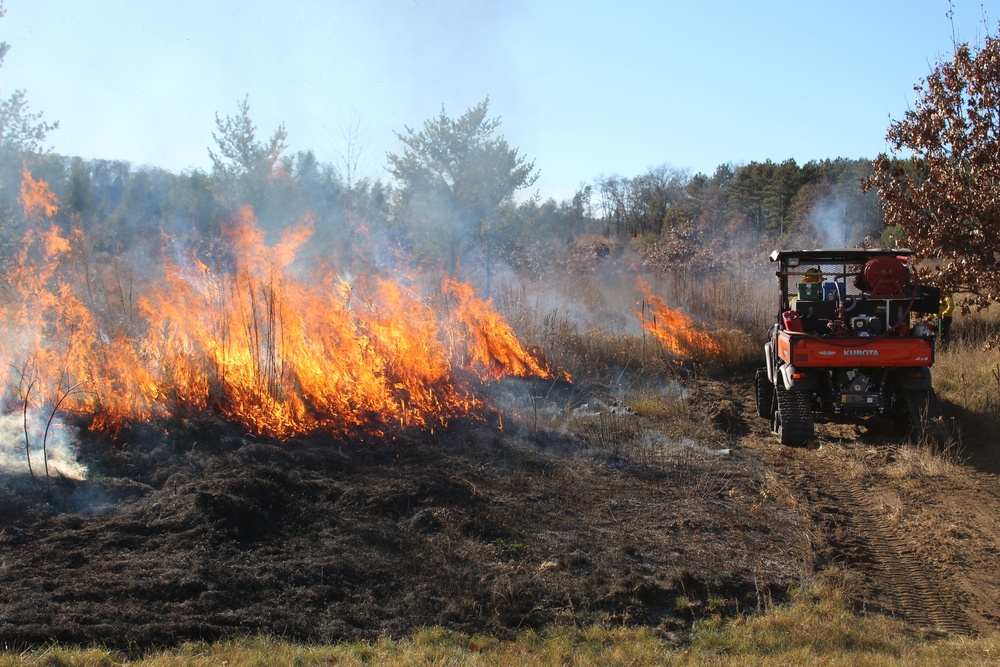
point(585, 89)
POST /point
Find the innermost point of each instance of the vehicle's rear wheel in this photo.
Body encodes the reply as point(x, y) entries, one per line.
point(924, 416)
point(793, 420)
point(765, 394)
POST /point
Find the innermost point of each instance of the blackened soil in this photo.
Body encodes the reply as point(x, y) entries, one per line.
point(190, 530)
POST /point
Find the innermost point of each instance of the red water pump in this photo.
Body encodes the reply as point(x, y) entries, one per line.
point(883, 278)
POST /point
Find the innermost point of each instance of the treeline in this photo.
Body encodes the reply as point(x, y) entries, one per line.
point(117, 206)
point(821, 199)
point(448, 202)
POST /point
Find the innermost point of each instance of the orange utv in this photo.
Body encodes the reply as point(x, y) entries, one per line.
point(853, 335)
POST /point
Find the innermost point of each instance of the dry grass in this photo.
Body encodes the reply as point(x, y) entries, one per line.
point(588, 325)
point(741, 296)
point(967, 378)
point(660, 405)
point(915, 462)
point(739, 350)
point(968, 375)
point(817, 627)
point(587, 329)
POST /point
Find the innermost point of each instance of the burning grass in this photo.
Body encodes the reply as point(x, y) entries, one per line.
point(673, 329)
point(600, 328)
point(248, 333)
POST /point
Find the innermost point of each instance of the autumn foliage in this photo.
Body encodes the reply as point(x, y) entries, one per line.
point(946, 197)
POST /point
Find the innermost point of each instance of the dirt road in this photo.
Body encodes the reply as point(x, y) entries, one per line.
point(919, 537)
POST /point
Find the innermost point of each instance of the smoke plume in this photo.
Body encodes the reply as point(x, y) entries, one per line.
point(54, 449)
point(829, 224)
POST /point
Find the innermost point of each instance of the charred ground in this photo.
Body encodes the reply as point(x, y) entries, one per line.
point(195, 530)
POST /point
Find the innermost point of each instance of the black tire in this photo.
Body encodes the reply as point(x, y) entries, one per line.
point(764, 391)
point(793, 420)
point(924, 417)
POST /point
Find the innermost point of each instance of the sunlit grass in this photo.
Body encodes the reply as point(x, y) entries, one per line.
point(966, 376)
point(818, 626)
point(660, 405)
point(967, 371)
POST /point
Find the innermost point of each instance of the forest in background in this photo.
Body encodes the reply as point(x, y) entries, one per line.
point(667, 214)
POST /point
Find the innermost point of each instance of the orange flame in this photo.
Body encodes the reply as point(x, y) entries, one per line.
point(494, 348)
point(674, 330)
point(36, 197)
point(251, 339)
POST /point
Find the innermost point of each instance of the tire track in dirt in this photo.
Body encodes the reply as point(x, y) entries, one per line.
point(921, 546)
point(962, 516)
point(889, 561)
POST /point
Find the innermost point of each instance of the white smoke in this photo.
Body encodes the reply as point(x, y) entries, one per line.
point(56, 448)
point(828, 221)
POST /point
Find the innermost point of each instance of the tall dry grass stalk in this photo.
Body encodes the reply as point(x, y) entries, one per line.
point(966, 370)
point(967, 377)
point(589, 324)
point(742, 295)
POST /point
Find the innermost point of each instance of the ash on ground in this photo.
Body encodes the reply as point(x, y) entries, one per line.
point(191, 530)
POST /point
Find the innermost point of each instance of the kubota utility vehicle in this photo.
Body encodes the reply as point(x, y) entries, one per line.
point(853, 335)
